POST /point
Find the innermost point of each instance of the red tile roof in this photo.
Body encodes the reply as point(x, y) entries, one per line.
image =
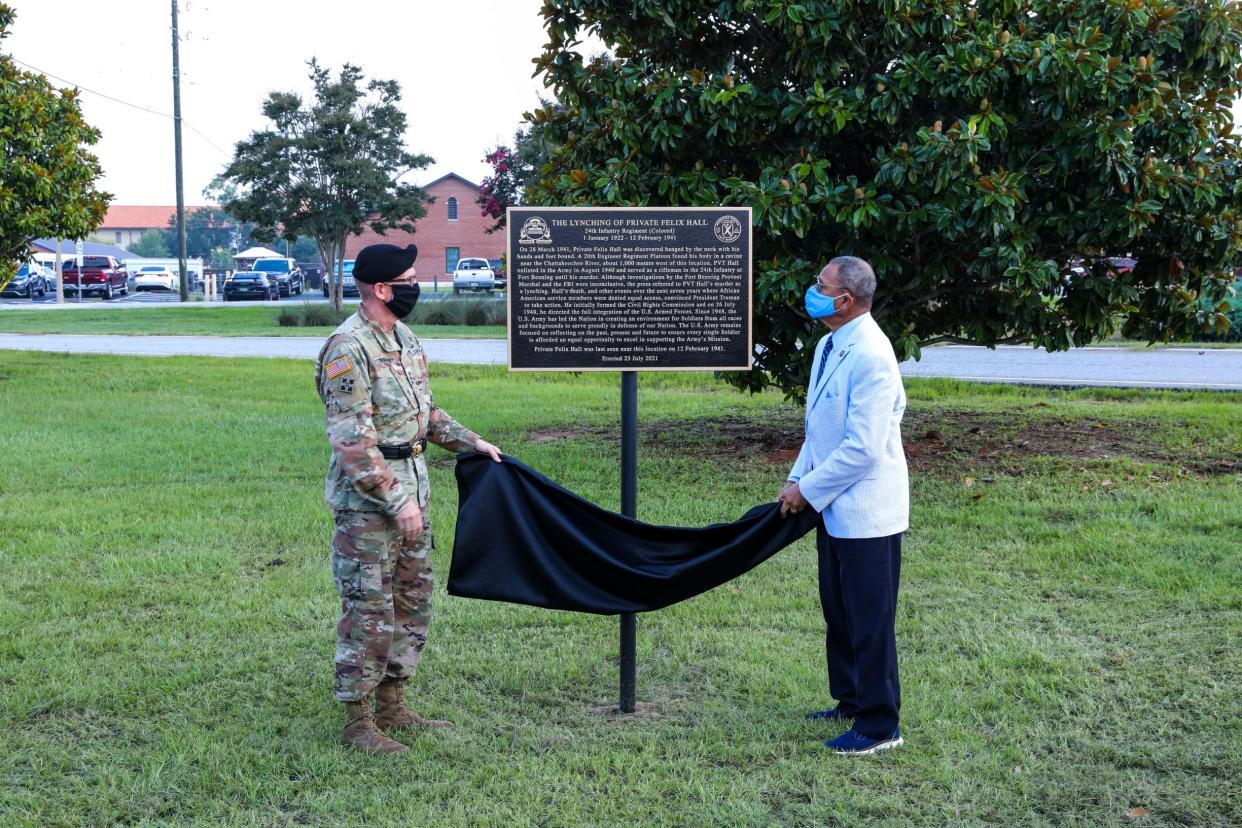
point(124, 217)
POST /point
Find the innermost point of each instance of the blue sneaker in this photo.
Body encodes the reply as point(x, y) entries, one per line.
point(853, 743)
point(833, 715)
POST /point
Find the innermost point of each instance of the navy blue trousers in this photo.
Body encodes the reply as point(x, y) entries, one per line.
point(858, 590)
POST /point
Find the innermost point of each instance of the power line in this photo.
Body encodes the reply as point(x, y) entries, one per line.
point(139, 107)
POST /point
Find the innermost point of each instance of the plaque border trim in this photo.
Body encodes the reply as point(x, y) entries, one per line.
point(750, 285)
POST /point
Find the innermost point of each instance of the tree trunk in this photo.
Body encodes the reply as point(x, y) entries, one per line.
point(329, 252)
point(338, 294)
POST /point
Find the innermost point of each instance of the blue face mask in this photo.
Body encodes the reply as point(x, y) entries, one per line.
point(818, 305)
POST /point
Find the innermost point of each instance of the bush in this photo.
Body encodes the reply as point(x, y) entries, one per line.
point(479, 312)
point(1234, 334)
point(445, 312)
point(310, 316)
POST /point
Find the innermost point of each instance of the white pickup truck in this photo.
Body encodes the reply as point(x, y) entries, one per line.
point(474, 274)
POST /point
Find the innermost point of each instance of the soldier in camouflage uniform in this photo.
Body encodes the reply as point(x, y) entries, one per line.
point(372, 377)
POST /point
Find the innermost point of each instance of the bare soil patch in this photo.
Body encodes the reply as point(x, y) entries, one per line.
point(935, 441)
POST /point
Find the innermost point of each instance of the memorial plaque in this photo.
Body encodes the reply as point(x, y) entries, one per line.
point(626, 289)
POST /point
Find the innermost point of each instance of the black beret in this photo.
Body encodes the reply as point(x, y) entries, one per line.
point(383, 262)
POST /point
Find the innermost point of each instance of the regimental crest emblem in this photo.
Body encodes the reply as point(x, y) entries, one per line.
point(535, 231)
point(728, 229)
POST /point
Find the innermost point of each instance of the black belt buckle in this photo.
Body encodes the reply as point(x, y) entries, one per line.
point(404, 451)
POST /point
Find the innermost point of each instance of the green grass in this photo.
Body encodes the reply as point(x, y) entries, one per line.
point(1068, 633)
point(196, 321)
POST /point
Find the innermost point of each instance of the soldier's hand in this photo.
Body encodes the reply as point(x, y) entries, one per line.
point(410, 521)
point(487, 448)
point(791, 500)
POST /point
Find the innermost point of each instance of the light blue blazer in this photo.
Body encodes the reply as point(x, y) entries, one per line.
point(852, 468)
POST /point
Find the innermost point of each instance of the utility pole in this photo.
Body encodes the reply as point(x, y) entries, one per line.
point(60, 276)
point(176, 78)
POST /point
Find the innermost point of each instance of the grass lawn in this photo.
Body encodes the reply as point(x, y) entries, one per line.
point(197, 321)
point(1069, 628)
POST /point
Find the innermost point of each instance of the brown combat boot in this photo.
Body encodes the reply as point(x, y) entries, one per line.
point(361, 732)
point(391, 712)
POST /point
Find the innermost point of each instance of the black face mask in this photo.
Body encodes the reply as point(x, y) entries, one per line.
point(404, 297)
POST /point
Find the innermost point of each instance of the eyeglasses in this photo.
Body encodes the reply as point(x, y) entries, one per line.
point(828, 289)
point(411, 280)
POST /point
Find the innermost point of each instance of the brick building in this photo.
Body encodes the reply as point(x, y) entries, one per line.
point(452, 229)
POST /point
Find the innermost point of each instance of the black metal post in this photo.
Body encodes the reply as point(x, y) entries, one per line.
point(629, 508)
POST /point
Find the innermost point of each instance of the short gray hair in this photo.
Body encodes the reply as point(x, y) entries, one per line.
point(856, 276)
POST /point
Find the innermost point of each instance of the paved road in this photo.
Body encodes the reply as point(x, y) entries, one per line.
point(1216, 369)
point(1207, 368)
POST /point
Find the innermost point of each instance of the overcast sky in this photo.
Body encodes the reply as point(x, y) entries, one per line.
point(463, 65)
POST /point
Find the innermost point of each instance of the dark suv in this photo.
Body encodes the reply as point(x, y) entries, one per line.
point(286, 272)
point(250, 285)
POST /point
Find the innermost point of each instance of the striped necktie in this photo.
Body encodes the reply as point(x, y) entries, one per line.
point(823, 361)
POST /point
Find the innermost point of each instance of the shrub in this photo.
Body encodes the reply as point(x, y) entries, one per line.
point(310, 316)
point(1234, 334)
point(444, 312)
point(478, 312)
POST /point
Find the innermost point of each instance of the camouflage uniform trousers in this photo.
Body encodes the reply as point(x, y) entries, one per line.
point(385, 592)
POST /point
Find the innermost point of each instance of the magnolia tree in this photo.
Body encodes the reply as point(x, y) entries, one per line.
point(991, 159)
point(47, 174)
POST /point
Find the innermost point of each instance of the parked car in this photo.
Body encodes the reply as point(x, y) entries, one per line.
point(98, 274)
point(473, 274)
point(155, 277)
point(286, 272)
point(348, 286)
point(30, 281)
point(502, 278)
point(251, 284)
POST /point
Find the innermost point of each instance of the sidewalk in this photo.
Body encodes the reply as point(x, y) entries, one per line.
point(1216, 369)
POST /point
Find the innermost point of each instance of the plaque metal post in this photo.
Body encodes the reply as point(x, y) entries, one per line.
point(629, 508)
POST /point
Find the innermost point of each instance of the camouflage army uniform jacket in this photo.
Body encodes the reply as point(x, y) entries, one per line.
point(374, 386)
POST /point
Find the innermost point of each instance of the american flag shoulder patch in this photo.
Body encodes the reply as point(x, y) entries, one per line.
point(337, 367)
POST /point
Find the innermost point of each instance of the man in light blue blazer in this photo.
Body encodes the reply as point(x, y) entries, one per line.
point(852, 470)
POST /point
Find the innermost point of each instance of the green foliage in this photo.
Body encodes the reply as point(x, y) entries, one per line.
point(208, 229)
point(470, 312)
point(219, 258)
point(1068, 633)
point(47, 175)
point(311, 316)
point(304, 250)
point(203, 319)
point(969, 151)
point(151, 245)
point(514, 170)
point(329, 168)
point(1231, 331)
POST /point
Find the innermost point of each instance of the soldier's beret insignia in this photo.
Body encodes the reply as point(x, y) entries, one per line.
point(337, 367)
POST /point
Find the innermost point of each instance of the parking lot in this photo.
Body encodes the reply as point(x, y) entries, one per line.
point(158, 297)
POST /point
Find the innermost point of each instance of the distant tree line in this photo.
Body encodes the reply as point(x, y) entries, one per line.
point(215, 236)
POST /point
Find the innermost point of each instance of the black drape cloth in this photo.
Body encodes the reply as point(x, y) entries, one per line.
point(523, 539)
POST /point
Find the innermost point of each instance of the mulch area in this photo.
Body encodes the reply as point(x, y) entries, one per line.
point(935, 442)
